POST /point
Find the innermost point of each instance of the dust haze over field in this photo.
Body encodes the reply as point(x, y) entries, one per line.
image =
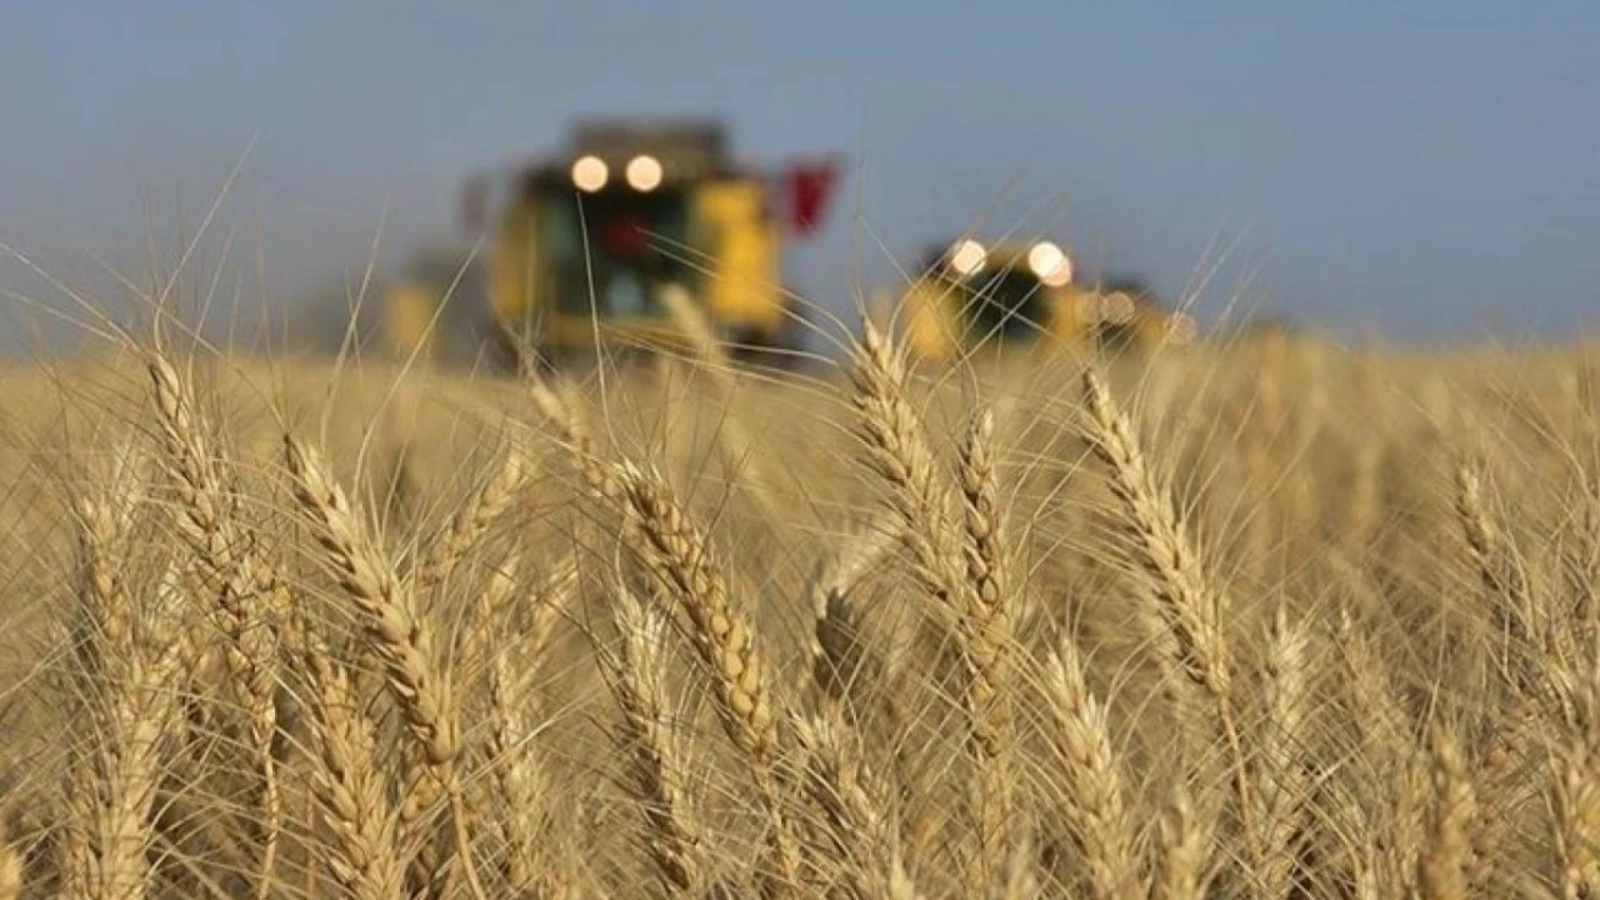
point(1269, 613)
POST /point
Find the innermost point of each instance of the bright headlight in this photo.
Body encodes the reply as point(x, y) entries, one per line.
point(644, 173)
point(590, 174)
point(1049, 264)
point(967, 256)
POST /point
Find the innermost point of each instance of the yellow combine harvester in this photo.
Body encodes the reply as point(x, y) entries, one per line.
point(1009, 296)
point(583, 246)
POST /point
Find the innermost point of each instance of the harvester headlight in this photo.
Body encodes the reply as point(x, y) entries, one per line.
point(1049, 264)
point(967, 256)
point(590, 174)
point(644, 173)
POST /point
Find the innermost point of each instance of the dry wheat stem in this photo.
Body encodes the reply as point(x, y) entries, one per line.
point(364, 855)
point(1282, 779)
point(227, 562)
point(1187, 601)
point(724, 640)
point(1446, 861)
point(1093, 798)
point(400, 639)
point(647, 741)
point(862, 838)
point(983, 634)
point(517, 771)
point(472, 520)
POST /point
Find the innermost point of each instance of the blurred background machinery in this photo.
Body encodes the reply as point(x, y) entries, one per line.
point(582, 246)
point(1009, 296)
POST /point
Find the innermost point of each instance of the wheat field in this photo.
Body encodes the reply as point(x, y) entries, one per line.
point(1261, 618)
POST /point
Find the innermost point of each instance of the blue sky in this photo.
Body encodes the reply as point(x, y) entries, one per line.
point(1428, 169)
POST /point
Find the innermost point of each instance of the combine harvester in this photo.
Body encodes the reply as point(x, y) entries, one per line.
point(1005, 298)
point(585, 246)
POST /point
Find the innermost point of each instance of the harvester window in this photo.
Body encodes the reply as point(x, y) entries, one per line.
point(637, 243)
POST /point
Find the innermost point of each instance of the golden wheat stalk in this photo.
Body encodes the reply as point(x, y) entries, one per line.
point(1575, 797)
point(1389, 747)
point(364, 854)
point(862, 838)
point(983, 634)
point(1093, 796)
point(133, 674)
point(919, 497)
point(898, 452)
point(225, 558)
point(1446, 861)
point(1283, 780)
point(1186, 600)
point(1185, 851)
point(518, 775)
point(472, 520)
point(656, 767)
point(401, 641)
point(1539, 659)
point(725, 641)
point(597, 476)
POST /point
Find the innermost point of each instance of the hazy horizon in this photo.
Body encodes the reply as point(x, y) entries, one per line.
point(1425, 172)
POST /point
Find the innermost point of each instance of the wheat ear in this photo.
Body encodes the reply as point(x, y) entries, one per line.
point(364, 855)
point(1186, 600)
point(517, 772)
point(475, 516)
point(724, 640)
point(1446, 861)
point(1576, 798)
point(983, 632)
point(1094, 800)
point(645, 736)
point(570, 429)
point(919, 498)
point(226, 561)
point(861, 836)
point(1283, 779)
point(401, 641)
point(134, 671)
point(1185, 851)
